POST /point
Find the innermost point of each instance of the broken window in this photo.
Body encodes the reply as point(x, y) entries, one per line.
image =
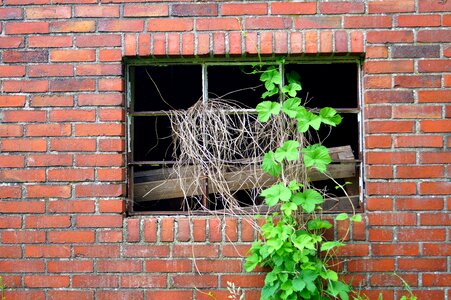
point(157, 92)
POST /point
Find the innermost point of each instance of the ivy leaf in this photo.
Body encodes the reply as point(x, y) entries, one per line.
point(271, 77)
point(316, 156)
point(268, 291)
point(309, 277)
point(274, 244)
point(306, 119)
point(288, 208)
point(298, 284)
point(338, 288)
point(267, 108)
point(329, 116)
point(356, 218)
point(270, 166)
point(308, 199)
point(342, 217)
point(317, 224)
point(291, 107)
point(275, 193)
point(288, 151)
point(251, 262)
point(293, 77)
point(330, 245)
point(294, 185)
point(292, 89)
point(270, 93)
point(304, 241)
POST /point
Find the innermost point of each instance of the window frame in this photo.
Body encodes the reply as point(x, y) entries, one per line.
point(205, 62)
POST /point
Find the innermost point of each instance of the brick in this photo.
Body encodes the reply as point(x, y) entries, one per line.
point(380, 235)
point(107, 221)
point(357, 42)
point(390, 126)
point(23, 237)
point(392, 219)
point(371, 265)
point(26, 27)
point(436, 279)
point(379, 172)
point(385, 204)
point(56, 12)
point(391, 280)
point(99, 130)
point(219, 266)
point(417, 81)
point(26, 86)
point(393, 6)
point(110, 174)
point(434, 96)
point(115, 114)
point(112, 206)
point(47, 251)
point(169, 294)
point(218, 43)
point(251, 43)
point(260, 23)
point(212, 24)
point(30, 175)
point(72, 26)
point(90, 11)
point(198, 251)
point(187, 44)
point(436, 249)
point(326, 42)
point(71, 144)
point(30, 56)
point(418, 20)
point(72, 206)
point(435, 188)
point(9, 42)
point(147, 281)
point(69, 174)
point(235, 250)
point(11, 13)
point(215, 230)
point(10, 222)
point(70, 294)
point(167, 230)
point(12, 101)
point(100, 160)
point(243, 280)
point(97, 251)
point(194, 10)
point(72, 85)
point(435, 126)
point(48, 191)
point(391, 188)
point(378, 112)
point(10, 252)
point(51, 100)
point(385, 67)
point(50, 70)
point(24, 145)
point(71, 236)
point(98, 69)
point(422, 203)
point(190, 281)
point(111, 85)
point(98, 40)
point(110, 55)
point(344, 7)
point(435, 157)
point(428, 6)
point(12, 71)
point(422, 264)
point(41, 160)
point(436, 65)
point(293, 8)
point(99, 190)
point(418, 141)
point(429, 51)
point(111, 144)
point(11, 161)
point(318, 22)
point(85, 115)
point(423, 235)
point(377, 52)
point(48, 130)
point(150, 230)
point(367, 22)
point(49, 41)
point(72, 55)
point(169, 266)
point(434, 36)
point(15, 266)
point(389, 97)
point(435, 219)
point(145, 250)
point(9, 130)
point(110, 266)
point(120, 25)
point(238, 9)
point(385, 36)
point(51, 281)
point(231, 230)
point(20, 206)
point(95, 281)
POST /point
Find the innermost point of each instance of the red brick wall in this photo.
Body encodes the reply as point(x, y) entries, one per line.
point(62, 161)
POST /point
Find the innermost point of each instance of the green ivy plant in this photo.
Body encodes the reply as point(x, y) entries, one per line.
point(294, 248)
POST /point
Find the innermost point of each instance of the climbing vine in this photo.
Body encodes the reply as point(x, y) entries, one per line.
point(292, 242)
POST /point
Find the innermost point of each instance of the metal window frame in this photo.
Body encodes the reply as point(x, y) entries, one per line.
point(139, 62)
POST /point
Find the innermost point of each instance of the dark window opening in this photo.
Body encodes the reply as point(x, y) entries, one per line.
point(157, 89)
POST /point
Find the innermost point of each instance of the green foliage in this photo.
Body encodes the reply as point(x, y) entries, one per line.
point(2, 289)
point(295, 250)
